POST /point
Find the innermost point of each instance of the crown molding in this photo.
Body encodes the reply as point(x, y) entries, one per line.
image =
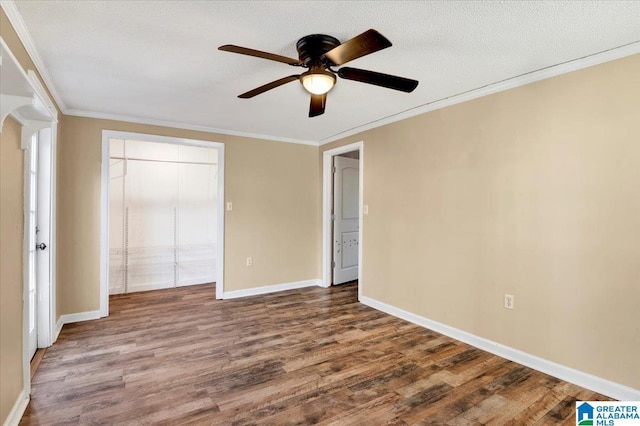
point(14, 16)
point(630, 49)
point(511, 83)
point(176, 125)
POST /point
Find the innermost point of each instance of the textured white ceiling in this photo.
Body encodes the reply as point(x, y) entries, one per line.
point(158, 60)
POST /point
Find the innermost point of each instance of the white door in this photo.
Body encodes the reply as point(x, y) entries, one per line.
point(43, 237)
point(32, 250)
point(346, 219)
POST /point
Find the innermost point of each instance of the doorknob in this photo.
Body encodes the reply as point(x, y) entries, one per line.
point(41, 246)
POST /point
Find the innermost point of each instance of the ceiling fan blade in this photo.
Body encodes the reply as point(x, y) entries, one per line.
point(268, 86)
point(260, 54)
point(318, 102)
point(368, 42)
point(379, 79)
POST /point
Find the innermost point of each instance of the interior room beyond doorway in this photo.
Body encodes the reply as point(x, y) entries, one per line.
point(163, 212)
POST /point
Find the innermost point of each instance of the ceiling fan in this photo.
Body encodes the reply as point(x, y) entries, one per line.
point(319, 53)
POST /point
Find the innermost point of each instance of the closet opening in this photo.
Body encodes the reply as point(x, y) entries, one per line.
point(162, 213)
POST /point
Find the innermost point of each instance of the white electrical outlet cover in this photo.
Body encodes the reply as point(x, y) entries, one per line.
point(509, 301)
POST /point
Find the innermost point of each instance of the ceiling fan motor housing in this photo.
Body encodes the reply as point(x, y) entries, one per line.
point(311, 48)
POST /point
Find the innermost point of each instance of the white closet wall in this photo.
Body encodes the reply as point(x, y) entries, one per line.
point(162, 215)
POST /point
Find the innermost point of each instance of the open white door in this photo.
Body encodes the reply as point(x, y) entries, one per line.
point(44, 188)
point(346, 219)
point(38, 228)
point(32, 230)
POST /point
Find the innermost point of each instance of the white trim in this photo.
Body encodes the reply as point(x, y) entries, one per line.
point(15, 18)
point(52, 233)
point(177, 125)
point(26, 244)
point(104, 227)
point(42, 94)
point(585, 380)
point(270, 289)
point(10, 105)
point(59, 325)
point(220, 230)
point(153, 286)
point(46, 290)
point(143, 287)
point(104, 208)
point(78, 317)
point(16, 413)
point(326, 211)
point(28, 100)
point(29, 127)
point(116, 134)
point(71, 318)
point(510, 83)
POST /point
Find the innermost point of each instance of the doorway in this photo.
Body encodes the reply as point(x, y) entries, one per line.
point(342, 218)
point(162, 213)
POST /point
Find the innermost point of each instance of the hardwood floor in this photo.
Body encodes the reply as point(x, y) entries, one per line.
point(309, 356)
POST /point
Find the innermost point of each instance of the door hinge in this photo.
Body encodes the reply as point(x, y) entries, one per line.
point(333, 264)
point(333, 169)
point(333, 217)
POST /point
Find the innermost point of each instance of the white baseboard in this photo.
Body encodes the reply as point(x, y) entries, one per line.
point(270, 289)
point(13, 419)
point(71, 318)
point(148, 287)
point(80, 316)
point(196, 281)
point(59, 325)
point(585, 380)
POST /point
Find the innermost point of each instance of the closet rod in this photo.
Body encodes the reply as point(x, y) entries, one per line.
point(164, 161)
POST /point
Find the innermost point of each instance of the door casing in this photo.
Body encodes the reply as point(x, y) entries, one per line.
point(327, 191)
point(104, 208)
point(45, 289)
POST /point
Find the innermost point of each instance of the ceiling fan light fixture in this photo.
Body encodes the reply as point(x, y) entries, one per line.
point(318, 81)
point(318, 53)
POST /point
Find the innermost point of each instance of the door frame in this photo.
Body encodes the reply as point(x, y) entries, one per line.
point(327, 192)
point(104, 206)
point(45, 295)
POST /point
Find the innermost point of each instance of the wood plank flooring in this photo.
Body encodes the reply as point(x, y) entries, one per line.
point(308, 356)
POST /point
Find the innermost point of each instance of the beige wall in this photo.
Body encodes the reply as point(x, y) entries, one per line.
point(273, 186)
point(534, 192)
point(11, 235)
